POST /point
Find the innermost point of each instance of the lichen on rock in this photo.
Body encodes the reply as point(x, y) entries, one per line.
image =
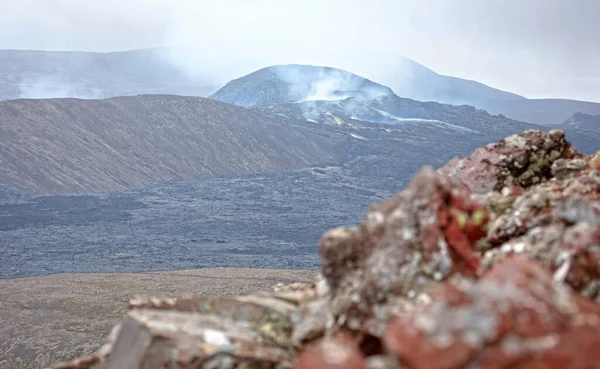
point(520, 160)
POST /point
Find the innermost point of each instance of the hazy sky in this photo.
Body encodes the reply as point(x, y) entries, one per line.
point(537, 48)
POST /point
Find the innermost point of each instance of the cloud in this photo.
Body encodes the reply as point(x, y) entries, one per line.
point(537, 48)
point(107, 25)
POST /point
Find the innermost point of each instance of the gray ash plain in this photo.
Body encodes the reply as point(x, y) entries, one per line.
point(259, 221)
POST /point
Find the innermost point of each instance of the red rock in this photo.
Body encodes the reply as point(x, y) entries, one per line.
point(595, 161)
point(563, 168)
point(310, 321)
point(568, 201)
point(514, 316)
point(572, 254)
point(523, 160)
point(331, 353)
point(404, 247)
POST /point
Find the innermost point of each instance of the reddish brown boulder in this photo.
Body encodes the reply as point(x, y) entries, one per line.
point(519, 160)
point(338, 352)
point(515, 316)
point(555, 223)
point(571, 200)
point(331, 353)
point(403, 248)
point(571, 253)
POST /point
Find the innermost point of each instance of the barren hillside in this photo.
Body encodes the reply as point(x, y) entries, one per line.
point(76, 146)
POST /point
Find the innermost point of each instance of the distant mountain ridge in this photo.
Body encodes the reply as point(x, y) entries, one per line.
point(294, 82)
point(51, 74)
point(547, 112)
point(416, 119)
point(410, 79)
point(583, 121)
point(376, 104)
point(48, 74)
point(296, 117)
point(387, 138)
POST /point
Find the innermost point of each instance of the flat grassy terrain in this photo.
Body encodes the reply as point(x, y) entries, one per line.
point(59, 317)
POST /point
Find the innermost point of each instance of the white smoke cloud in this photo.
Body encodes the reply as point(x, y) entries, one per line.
point(325, 90)
point(54, 86)
point(537, 48)
point(333, 85)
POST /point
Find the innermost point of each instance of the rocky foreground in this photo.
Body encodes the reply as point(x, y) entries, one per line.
point(492, 261)
point(58, 317)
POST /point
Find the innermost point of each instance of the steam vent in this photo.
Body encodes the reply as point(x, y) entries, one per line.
point(492, 261)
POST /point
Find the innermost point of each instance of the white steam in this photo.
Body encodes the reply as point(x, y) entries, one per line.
point(324, 90)
point(317, 83)
point(55, 86)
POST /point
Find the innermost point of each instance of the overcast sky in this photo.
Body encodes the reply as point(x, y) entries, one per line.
point(537, 48)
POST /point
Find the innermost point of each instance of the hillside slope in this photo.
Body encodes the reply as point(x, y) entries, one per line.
point(410, 79)
point(49, 74)
point(75, 146)
point(287, 92)
point(391, 137)
point(548, 112)
point(397, 112)
point(9, 194)
point(586, 122)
